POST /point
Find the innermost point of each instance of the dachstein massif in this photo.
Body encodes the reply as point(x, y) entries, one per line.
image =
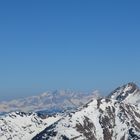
point(115, 117)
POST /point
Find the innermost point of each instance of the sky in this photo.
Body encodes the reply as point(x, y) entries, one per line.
point(68, 44)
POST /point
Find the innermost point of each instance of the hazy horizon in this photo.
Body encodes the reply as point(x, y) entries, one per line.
point(81, 45)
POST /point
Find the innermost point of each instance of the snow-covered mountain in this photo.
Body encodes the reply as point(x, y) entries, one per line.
point(102, 119)
point(24, 126)
point(99, 120)
point(51, 101)
point(115, 117)
point(129, 93)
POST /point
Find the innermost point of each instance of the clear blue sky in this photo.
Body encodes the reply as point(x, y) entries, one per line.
point(75, 44)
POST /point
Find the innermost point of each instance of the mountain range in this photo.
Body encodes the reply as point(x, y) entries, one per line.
point(49, 102)
point(115, 117)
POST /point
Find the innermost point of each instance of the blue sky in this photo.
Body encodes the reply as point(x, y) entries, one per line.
point(74, 44)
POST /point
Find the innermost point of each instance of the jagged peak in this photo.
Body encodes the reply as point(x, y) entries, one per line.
point(126, 93)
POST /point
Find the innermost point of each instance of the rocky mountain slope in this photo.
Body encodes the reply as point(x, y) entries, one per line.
point(113, 118)
point(129, 93)
point(23, 126)
point(51, 101)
